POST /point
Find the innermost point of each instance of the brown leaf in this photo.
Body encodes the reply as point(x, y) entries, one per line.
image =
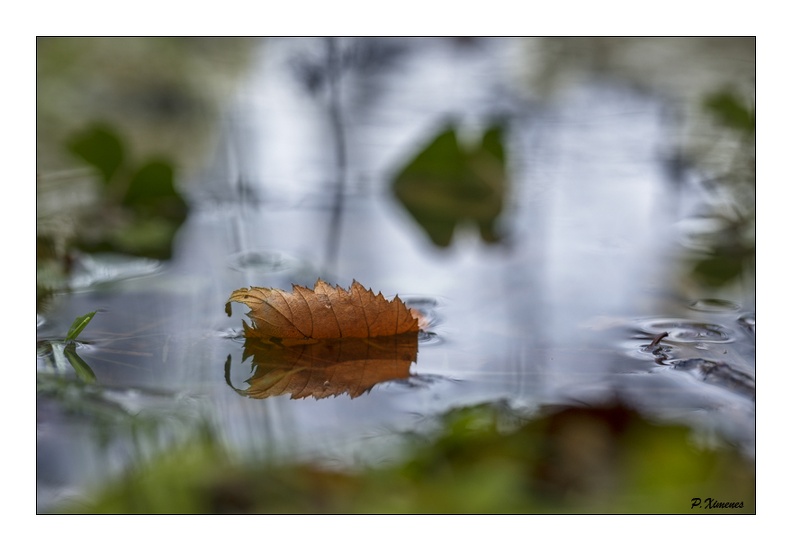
point(326, 312)
point(329, 367)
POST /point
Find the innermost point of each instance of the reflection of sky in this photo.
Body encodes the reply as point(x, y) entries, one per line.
point(588, 225)
point(588, 179)
point(588, 243)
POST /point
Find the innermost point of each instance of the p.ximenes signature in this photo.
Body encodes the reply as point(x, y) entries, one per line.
point(710, 503)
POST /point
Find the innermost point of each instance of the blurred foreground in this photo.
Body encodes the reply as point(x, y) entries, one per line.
point(476, 460)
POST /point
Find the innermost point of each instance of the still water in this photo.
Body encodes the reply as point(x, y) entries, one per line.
point(562, 307)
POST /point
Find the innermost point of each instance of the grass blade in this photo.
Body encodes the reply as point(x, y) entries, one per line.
point(79, 324)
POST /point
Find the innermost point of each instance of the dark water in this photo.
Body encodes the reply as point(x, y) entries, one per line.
point(588, 271)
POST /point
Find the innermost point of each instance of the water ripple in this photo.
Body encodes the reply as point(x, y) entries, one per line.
point(428, 307)
point(688, 331)
point(714, 305)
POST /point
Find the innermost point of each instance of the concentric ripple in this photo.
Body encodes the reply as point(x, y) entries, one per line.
point(683, 330)
point(427, 306)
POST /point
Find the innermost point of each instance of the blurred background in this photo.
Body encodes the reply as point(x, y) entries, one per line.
point(575, 218)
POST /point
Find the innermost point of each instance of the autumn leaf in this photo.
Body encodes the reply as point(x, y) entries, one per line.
point(305, 316)
point(330, 367)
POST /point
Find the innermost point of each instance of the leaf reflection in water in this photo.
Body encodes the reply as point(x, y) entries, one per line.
point(330, 367)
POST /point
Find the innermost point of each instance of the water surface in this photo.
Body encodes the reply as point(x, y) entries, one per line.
point(588, 268)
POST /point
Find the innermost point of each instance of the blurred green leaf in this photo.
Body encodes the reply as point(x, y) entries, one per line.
point(100, 147)
point(139, 212)
point(716, 271)
point(445, 185)
point(731, 112)
point(151, 188)
point(80, 322)
point(492, 142)
point(724, 264)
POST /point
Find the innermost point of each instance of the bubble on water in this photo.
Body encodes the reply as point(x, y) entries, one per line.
point(714, 305)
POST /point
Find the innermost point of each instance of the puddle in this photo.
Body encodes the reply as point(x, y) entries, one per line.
point(577, 232)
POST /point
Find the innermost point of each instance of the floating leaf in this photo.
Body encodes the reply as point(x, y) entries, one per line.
point(326, 312)
point(330, 367)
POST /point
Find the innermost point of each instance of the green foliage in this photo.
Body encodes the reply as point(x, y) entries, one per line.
point(100, 147)
point(175, 483)
point(446, 185)
point(58, 351)
point(729, 254)
point(142, 209)
point(136, 209)
point(723, 264)
point(482, 459)
point(151, 187)
point(158, 89)
point(731, 112)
